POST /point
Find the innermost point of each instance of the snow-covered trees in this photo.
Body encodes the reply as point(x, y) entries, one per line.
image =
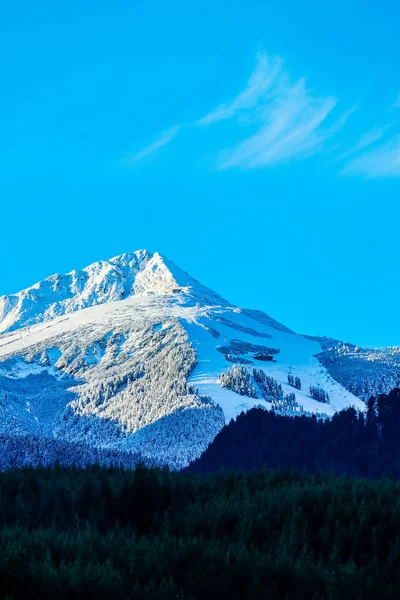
point(32, 451)
point(103, 386)
point(147, 396)
point(364, 372)
point(319, 394)
point(238, 379)
point(290, 399)
point(287, 405)
point(294, 381)
point(270, 388)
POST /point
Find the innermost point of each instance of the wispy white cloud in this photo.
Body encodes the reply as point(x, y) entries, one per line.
point(381, 161)
point(290, 120)
point(376, 154)
point(163, 139)
point(340, 121)
point(259, 83)
point(275, 119)
point(368, 139)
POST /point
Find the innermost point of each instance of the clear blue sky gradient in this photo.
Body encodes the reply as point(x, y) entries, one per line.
point(86, 87)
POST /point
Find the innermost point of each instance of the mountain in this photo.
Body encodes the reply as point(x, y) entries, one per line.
point(133, 354)
point(105, 281)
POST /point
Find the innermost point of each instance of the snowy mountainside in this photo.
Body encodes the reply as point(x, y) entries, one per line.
point(110, 280)
point(127, 355)
point(105, 373)
point(363, 371)
point(104, 281)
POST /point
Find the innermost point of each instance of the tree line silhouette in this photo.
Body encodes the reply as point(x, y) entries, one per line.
point(350, 443)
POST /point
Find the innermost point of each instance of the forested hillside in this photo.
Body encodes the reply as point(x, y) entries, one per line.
point(148, 534)
point(350, 443)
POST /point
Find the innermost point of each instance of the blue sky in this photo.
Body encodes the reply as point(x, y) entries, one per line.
point(255, 144)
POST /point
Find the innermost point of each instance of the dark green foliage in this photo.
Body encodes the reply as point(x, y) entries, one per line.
point(101, 533)
point(371, 409)
point(350, 443)
point(149, 534)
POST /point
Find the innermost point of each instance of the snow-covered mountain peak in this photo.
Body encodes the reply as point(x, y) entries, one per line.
point(135, 354)
point(162, 276)
point(136, 273)
point(100, 282)
point(156, 278)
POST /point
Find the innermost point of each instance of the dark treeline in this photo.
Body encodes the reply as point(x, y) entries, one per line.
point(106, 533)
point(351, 443)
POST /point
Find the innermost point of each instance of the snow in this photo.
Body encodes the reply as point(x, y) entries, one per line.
point(125, 355)
point(296, 353)
point(138, 273)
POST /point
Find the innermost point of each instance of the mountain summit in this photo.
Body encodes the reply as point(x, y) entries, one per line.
point(133, 354)
point(138, 273)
